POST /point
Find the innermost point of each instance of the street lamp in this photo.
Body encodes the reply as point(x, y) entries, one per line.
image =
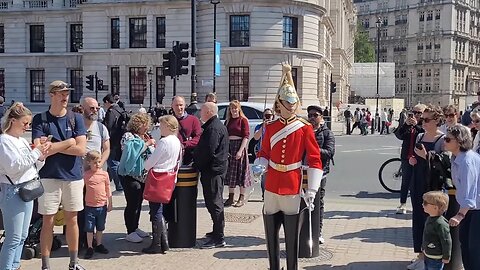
point(214, 3)
point(150, 77)
point(378, 24)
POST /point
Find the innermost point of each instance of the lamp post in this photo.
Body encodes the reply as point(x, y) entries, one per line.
point(410, 98)
point(378, 24)
point(150, 77)
point(214, 3)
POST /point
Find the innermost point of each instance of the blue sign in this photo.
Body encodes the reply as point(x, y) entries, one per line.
point(217, 59)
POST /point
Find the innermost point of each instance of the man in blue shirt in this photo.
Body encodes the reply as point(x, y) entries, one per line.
point(62, 175)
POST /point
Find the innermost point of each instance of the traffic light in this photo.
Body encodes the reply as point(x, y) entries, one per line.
point(90, 82)
point(99, 84)
point(181, 53)
point(169, 62)
point(333, 87)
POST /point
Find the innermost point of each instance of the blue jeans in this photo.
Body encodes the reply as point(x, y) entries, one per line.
point(433, 264)
point(113, 173)
point(16, 220)
point(407, 171)
point(95, 217)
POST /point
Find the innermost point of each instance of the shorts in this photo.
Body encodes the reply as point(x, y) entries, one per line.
point(68, 193)
point(95, 218)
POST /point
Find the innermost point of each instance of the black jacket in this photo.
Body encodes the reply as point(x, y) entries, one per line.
point(112, 116)
point(326, 142)
point(404, 133)
point(211, 154)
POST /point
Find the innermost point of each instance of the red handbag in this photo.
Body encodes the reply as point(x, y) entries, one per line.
point(159, 186)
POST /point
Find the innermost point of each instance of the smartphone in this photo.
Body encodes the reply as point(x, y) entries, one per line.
point(419, 146)
point(410, 115)
point(49, 138)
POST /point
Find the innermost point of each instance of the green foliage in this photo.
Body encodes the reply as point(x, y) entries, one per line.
point(364, 49)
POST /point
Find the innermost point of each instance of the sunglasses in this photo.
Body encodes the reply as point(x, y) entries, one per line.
point(448, 139)
point(416, 112)
point(476, 121)
point(268, 116)
point(313, 115)
point(427, 203)
point(452, 115)
point(427, 120)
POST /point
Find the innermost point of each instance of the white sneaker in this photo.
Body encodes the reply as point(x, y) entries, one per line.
point(418, 264)
point(134, 238)
point(402, 209)
point(141, 233)
point(321, 240)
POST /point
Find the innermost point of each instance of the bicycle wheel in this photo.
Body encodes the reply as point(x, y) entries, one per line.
point(390, 175)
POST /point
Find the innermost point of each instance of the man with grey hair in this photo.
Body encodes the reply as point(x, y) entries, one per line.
point(210, 158)
point(97, 133)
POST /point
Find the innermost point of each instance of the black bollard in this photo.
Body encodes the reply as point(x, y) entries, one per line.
point(182, 230)
point(456, 258)
point(304, 248)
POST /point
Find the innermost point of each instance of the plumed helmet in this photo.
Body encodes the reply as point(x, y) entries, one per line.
point(286, 90)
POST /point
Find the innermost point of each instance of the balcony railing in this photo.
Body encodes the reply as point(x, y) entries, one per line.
point(73, 3)
point(6, 4)
point(37, 3)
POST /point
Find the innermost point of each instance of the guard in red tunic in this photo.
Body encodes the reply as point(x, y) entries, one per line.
point(285, 143)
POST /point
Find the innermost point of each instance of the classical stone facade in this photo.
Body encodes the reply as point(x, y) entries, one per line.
point(123, 42)
point(434, 43)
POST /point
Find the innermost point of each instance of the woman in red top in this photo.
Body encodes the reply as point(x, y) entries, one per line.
point(238, 173)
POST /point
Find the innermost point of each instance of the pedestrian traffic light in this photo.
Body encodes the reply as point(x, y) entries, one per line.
point(99, 84)
point(333, 87)
point(90, 82)
point(181, 53)
point(169, 62)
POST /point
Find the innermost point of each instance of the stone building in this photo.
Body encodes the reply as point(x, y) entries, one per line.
point(435, 45)
point(123, 42)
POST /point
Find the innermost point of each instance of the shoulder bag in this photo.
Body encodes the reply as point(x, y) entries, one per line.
point(29, 190)
point(159, 186)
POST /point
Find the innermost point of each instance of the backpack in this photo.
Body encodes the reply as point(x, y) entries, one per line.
point(45, 126)
point(121, 121)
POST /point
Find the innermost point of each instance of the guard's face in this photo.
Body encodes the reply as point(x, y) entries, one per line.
point(287, 107)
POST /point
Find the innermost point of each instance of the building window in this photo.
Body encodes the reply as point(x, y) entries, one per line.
point(76, 79)
point(161, 29)
point(419, 88)
point(422, 16)
point(37, 85)
point(37, 38)
point(160, 85)
point(428, 73)
point(115, 33)
point(2, 83)
point(239, 30)
point(115, 80)
point(429, 15)
point(138, 84)
point(437, 15)
point(76, 37)
point(2, 39)
point(290, 32)
point(295, 77)
point(238, 84)
point(420, 73)
point(138, 32)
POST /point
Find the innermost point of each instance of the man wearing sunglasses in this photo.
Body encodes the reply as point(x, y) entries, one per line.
point(407, 133)
point(326, 143)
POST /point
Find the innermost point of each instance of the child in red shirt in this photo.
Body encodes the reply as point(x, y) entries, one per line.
point(98, 201)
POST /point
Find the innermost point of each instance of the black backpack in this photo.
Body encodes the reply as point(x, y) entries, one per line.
point(121, 121)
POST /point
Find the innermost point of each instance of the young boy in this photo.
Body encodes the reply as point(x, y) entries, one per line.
point(98, 201)
point(437, 242)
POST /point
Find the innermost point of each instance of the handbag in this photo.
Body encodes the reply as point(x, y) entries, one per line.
point(30, 190)
point(159, 186)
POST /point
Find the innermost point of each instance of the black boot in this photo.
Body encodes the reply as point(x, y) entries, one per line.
point(291, 226)
point(155, 247)
point(272, 225)
point(162, 227)
point(229, 202)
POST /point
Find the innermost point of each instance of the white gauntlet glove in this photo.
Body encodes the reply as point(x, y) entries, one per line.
point(309, 197)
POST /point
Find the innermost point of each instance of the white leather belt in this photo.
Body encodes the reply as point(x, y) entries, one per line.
point(285, 167)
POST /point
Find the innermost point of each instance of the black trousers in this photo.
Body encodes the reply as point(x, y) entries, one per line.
point(470, 240)
point(133, 191)
point(321, 193)
point(213, 194)
point(349, 131)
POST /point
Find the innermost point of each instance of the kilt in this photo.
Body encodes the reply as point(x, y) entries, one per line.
point(238, 172)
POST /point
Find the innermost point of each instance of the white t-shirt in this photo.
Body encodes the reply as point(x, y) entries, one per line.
point(17, 160)
point(94, 141)
point(165, 156)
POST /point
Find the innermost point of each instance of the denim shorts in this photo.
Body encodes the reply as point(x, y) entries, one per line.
point(95, 217)
point(433, 264)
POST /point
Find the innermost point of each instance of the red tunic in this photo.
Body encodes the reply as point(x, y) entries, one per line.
point(287, 151)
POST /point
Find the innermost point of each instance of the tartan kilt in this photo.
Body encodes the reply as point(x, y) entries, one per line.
point(238, 172)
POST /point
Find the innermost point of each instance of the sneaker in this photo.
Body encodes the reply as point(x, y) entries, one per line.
point(209, 234)
point(101, 249)
point(402, 209)
point(213, 244)
point(89, 253)
point(417, 264)
point(141, 233)
point(76, 267)
point(134, 238)
point(321, 240)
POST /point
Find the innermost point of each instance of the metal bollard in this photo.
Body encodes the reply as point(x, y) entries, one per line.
point(182, 230)
point(456, 258)
point(304, 249)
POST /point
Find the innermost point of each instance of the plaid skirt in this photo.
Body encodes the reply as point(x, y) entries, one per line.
point(238, 172)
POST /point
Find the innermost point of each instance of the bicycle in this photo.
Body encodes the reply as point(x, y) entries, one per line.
point(390, 175)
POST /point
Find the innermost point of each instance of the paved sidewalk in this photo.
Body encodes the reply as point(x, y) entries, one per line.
point(358, 236)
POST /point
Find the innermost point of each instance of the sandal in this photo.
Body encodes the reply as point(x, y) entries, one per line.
point(241, 201)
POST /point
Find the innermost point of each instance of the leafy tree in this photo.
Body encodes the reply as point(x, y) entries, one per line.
point(364, 49)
